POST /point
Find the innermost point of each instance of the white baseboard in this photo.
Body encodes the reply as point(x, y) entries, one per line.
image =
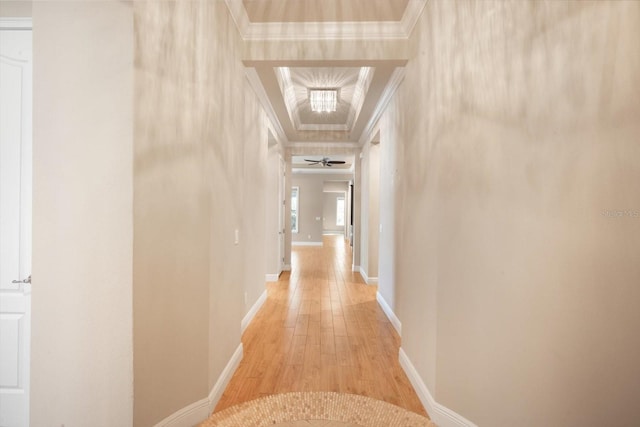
point(223, 379)
point(199, 411)
point(306, 243)
point(368, 280)
point(188, 416)
point(390, 314)
point(286, 267)
point(355, 268)
point(439, 414)
point(253, 311)
point(271, 277)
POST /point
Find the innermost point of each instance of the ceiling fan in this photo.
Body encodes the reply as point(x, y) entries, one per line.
point(325, 161)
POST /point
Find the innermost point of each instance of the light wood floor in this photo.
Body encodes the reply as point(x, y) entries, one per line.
point(321, 329)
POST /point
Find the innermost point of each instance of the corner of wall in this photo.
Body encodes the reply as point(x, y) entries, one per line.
point(439, 414)
point(200, 410)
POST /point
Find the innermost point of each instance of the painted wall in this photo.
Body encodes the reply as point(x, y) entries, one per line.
point(199, 177)
point(330, 208)
point(516, 278)
point(15, 9)
point(387, 209)
point(310, 208)
point(273, 205)
point(312, 204)
point(81, 367)
point(370, 217)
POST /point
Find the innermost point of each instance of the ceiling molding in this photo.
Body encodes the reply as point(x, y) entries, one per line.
point(16, 23)
point(325, 30)
point(292, 103)
point(412, 14)
point(360, 93)
point(323, 171)
point(299, 144)
point(394, 82)
point(256, 84)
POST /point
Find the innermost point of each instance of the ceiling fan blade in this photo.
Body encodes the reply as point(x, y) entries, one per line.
point(328, 164)
point(309, 160)
point(336, 162)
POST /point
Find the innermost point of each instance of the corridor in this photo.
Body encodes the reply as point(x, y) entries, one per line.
point(321, 329)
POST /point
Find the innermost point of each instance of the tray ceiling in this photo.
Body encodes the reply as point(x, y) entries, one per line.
point(325, 10)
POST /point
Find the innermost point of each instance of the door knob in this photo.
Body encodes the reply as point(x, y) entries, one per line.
point(27, 280)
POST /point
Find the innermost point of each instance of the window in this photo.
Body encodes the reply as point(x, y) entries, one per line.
point(294, 209)
point(340, 210)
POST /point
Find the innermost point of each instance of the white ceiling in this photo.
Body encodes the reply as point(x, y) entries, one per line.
point(364, 86)
point(361, 89)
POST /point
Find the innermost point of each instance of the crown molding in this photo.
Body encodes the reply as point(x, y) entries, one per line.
point(394, 82)
point(325, 30)
point(16, 23)
point(256, 84)
point(411, 15)
point(323, 171)
point(319, 144)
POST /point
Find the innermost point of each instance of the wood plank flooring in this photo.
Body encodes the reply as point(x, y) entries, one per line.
point(321, 329)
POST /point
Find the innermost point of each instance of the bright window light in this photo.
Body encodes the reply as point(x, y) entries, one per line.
point(340, 211)
point(323, 100)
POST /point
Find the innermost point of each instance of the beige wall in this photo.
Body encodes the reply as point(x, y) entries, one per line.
point(330, 210)
point(273, 205)
point(200, 154)
point(516, 131)
point(81, 367)
point(370, 217)
point(310, 203)
point(15, 9)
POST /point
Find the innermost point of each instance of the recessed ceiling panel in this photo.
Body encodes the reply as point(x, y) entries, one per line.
point(262, 11)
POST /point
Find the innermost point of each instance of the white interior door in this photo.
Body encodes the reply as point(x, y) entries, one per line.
point(15, 223)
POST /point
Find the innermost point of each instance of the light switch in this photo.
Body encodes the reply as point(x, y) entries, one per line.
point(237, 236)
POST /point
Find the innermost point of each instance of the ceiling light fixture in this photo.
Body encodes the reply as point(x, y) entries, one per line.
point(323, 100)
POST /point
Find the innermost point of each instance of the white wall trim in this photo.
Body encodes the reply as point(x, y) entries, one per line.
point(187, 416)
point(441, 415)
point(286, 267)
point(368, 280)
point(16, 24)
point(355, 268)
point(390, 314)
point(394, 82)
point(256, 84)
point(325, 30)
point(271, 277)
point(200, 410)
point(224, 378)
point(306, 243)
point(253, 311)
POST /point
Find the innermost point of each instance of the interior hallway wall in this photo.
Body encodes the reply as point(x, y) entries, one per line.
point(81, 341)
point(199, 183)
point(273, 206)
point(330, 212)
point(311, 199)
point(310, 202)
point(370, 217)
point(517, 212)
point(15, 9)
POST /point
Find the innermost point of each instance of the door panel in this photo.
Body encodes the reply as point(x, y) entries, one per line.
point(15, 225)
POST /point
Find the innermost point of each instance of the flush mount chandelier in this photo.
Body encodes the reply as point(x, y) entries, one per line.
point(323, 100)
